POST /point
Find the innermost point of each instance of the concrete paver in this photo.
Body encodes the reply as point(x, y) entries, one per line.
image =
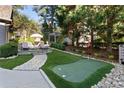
point(22, 79)
point(34, 64)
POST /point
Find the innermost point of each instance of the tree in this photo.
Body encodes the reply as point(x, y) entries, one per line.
point(111, 15)
point(22, 22)
point(89, 17)
point(65, 16)
point(47, 14)
point(106, 21)
point(48, 20)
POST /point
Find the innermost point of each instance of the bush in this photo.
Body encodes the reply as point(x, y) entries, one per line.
point(9, 49)
point(58, 46)
point(111, 56)
point(28, 39)
point(96, 54)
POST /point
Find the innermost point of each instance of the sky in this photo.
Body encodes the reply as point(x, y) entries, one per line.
point(30, 13)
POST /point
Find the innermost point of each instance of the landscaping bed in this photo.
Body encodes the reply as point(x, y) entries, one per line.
point(60, 60)
point(9, 49)
point(98, 53)
point(11, 63)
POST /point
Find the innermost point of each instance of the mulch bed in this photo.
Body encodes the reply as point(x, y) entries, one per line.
point(97, 53)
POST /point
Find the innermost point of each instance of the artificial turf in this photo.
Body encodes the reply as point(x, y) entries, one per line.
point(76, 71)
point(11, 63)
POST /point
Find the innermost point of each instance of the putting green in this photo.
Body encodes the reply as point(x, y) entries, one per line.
point(78, 71)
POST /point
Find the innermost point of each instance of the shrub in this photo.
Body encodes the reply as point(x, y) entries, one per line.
point(60, 39)
point(58, 46)
point(111, 56)
point(28, 39)
point(9, 49)
point(96, 54)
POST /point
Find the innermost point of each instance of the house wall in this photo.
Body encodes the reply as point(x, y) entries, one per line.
point(5, 21)
point(3, 34)
point(5, 12)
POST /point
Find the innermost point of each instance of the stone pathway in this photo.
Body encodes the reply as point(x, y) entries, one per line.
point(34, 64)
point(115, 79)
point(27, 75)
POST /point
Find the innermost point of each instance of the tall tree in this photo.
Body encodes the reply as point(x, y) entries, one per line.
point(48, 20)
point(111, 16)
point(22, 22)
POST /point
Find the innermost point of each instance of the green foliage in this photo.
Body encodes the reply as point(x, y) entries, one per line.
point(28, 39)
point(58, 46)
point(9, 49)
point(11, 63)
point(22, 22)
point(111, 56)
point(46, 13)
point(60, 39)
point(106, 21)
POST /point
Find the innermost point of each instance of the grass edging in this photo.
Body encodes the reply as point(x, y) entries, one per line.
point(47, 78)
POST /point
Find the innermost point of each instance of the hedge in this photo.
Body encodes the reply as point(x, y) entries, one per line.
point(9, 49)
point(58, 46)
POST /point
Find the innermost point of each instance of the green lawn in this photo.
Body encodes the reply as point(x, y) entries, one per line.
point(11, 63)
point(58, 59)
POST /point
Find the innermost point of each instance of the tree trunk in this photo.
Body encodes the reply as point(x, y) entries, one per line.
point(92, 38)
point(52, 20)
point(109, 33)
point(109, 40)
point(77, 43)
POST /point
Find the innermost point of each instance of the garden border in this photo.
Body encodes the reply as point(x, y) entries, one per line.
point(47, 78)
point(11, 57)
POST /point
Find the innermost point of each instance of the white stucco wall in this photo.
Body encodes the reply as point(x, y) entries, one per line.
point(3, 34)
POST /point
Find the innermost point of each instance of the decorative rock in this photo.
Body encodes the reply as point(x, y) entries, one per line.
point(109, 80)
point(115, 83)
point(122, 78)
point(99, 84)
point(115, 79)
point(121, 84)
